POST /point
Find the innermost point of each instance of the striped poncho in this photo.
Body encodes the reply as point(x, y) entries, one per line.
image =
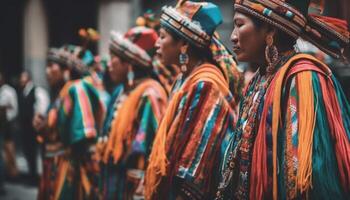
point(130, 134)
point(185, 155)
point(298, 145)
point(74, 119)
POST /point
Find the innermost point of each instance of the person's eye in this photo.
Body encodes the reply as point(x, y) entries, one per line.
point(239, 24)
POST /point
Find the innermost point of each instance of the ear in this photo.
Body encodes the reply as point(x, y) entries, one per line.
point(267, 30)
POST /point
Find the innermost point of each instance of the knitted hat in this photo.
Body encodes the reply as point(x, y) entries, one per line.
point(71, 56)
point(194, 21)
point(136, 46)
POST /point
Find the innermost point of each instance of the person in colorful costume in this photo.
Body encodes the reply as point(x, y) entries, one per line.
point(202, 106)
point(292, 137)
point(166, 75)
point(69, 131)
point(134, 116)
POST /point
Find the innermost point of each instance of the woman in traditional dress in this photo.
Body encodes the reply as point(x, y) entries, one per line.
point(69, 132)
point(136, 112)
point(201, 111)
point(292, 137)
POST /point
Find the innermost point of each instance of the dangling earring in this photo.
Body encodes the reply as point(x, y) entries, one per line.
point(131, 76)
point(183, 58)
point(66, 75)
point(271, 54)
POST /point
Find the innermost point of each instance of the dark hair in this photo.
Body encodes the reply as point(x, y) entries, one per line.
point(74, 72)
point(142, 72)
point(281, 37)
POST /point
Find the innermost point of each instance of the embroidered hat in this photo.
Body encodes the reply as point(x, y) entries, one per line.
point(291, 16)
point(71, 56)
point(136, 46)
point(194, 21)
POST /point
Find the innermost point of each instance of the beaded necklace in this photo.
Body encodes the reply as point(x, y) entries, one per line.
point(247, 117)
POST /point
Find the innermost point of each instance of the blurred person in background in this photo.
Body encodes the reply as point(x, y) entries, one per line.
point(70, 129)
point(137, 107)
point(31, 100)
point(8, 113)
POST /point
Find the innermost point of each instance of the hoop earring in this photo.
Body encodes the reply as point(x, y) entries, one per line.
point(183, 58)
point(130, 76)
point(271, 54)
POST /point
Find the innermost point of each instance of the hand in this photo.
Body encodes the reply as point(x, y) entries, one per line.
point(39, 122)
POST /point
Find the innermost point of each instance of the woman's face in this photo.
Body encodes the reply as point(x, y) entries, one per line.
point(248, 40)
point(118, 69)
point(54, 74)
point(168, 49)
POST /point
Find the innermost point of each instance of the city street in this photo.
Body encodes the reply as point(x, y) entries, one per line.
point(18, 190)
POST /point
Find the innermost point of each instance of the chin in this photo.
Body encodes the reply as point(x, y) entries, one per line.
point(241, 58)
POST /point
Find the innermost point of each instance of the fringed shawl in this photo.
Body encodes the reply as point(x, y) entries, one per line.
point(317, 119)
point(188, 141)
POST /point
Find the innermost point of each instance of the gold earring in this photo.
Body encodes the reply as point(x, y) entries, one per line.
point(130, 76)
point(271, 54)
point(183, 58)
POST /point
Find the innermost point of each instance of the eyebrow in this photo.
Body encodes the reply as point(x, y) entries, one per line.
point(236, 19)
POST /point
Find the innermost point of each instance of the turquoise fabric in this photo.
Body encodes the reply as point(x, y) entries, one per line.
point(72, 123)
point(209, 17)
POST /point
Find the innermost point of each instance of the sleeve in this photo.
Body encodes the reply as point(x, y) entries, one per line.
point(148, 124)
point(77, 115)
point(309, 144)
point(13, 104)
point(42, 101)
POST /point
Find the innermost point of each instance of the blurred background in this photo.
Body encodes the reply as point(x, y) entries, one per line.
point(29, 27)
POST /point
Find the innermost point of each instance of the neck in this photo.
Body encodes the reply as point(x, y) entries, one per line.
point(192, 64)
point(281, 56)
point(127, 87)
point(55, 90)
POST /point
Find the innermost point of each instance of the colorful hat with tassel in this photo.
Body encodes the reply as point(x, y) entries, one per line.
point(137, 46)
point(331, 35)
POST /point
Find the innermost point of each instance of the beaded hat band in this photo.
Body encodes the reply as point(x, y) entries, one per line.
point(183, 26)
point(276, 13)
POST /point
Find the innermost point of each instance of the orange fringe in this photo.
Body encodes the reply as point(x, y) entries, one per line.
point(276, 118)
point(122, 124)
point(85, 181)
point(306, 127)
point(158, 161)
point(62, 172)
